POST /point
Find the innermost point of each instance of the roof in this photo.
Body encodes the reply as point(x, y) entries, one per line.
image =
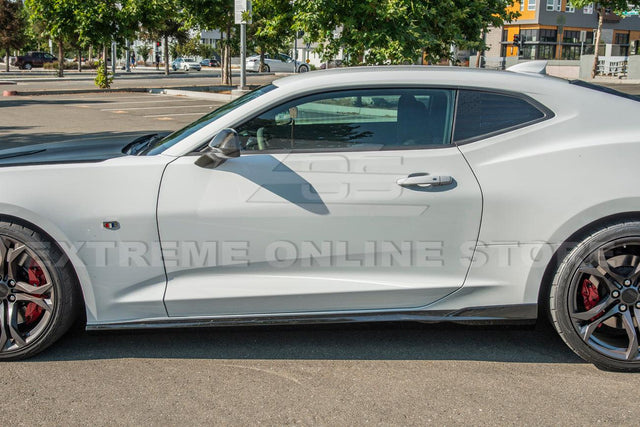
point(420, 75)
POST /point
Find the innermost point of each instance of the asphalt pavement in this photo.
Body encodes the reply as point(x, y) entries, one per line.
point(404, 374)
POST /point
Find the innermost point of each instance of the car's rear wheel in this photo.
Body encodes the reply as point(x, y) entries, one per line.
point(39, 297)
point(595, 298)
point(265, 69)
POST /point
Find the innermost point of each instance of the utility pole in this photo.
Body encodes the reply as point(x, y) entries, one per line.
point(242, 16)
point(113, 57)
point(243, 56)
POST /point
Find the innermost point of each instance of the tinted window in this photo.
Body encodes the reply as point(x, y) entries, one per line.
point(359, 119)
point(177, 136)
point(481, 113)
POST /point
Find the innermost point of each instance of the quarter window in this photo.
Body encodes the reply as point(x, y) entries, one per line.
point(483, 114)
point(374, 119)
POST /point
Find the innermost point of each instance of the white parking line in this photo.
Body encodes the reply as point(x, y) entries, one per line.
point(158, 108)
point(181, 114)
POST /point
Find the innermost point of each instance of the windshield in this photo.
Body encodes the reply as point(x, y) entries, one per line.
point(158, 147)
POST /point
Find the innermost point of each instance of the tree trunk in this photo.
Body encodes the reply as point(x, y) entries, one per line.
point(594, 69)
point(166, 55)
point(226, 59)
point(104, 60)
point(79, 60)
point(6, 61)
point(60, 59)
point(90, 53)
point(262, 67)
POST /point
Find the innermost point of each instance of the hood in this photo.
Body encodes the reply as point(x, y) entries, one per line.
point(76, 151)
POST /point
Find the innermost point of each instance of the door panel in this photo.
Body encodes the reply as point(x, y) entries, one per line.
point(315, 232)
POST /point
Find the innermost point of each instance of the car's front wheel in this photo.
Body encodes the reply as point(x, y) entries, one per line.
point(303, 68)
point(39, 297)
point(595, 297)
point(27, 66)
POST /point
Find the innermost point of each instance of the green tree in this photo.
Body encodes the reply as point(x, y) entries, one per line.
point(143, 51)
point(271, 29)
point(163, 20)
point(209, 14)
point(616, 6)
point(104, 21)
point(397, 31)
point(57, 20)
point(13, 24)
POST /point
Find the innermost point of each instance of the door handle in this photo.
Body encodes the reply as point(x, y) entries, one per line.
point(424, 180)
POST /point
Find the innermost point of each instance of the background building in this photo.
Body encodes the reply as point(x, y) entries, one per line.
point(554, 29)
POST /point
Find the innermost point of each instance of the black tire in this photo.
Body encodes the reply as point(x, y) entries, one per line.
point(303, 69)
point(27, 66)
point(64, 296)
point(595, 294)
point(265, 69)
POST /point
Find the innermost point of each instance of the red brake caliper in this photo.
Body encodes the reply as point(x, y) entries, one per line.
point(590, 297)
point(36, 278)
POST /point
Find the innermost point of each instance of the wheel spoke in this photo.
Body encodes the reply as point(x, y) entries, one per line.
point(593, 271)
point(30, 298)
point(587, 330)
point(3, 328)
point(12, 323)
point(603, 265)
point(33, 290)
point(590, 314)
point(3, 257)
point(12, 255)
point(633, 277)
point(627, 323)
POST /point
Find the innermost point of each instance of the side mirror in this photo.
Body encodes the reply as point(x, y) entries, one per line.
point(225, 145)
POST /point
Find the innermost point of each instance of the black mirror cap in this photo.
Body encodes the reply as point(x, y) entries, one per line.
point(225, 145)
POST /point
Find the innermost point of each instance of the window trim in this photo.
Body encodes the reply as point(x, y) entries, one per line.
point(547, 114)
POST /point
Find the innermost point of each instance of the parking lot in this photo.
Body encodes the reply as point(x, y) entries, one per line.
point(406, 374)
point(40, 119)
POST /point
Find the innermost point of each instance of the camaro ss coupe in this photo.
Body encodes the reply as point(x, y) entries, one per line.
point(362, 194)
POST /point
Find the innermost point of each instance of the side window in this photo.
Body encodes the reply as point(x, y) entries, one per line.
point(481, 113)
point(48, 56)
point(374, 119)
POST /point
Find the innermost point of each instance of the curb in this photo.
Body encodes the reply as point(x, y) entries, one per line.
point(76, 91)
point(220, 97)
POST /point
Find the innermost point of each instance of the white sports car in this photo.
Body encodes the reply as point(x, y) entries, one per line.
point(367, 194)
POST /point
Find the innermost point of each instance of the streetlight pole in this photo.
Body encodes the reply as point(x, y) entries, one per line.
point(113, 57)
point(243, 56)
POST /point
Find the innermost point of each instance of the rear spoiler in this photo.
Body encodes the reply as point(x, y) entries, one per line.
point(530, 67)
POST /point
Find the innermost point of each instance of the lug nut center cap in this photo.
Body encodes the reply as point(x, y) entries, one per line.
point(630, 296)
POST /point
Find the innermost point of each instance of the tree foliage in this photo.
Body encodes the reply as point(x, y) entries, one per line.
point(271, 30)
point(211, 14)
point(398, 31)
point(13, 25)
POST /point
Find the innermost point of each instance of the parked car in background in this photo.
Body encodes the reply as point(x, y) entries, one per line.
point(186, 64)
point(211, 62)
point(277, 63)
point(337, 63)
point(33, 59)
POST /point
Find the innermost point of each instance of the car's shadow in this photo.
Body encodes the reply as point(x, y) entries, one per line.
point(352, 342)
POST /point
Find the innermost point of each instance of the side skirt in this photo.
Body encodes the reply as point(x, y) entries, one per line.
point(507, 314)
